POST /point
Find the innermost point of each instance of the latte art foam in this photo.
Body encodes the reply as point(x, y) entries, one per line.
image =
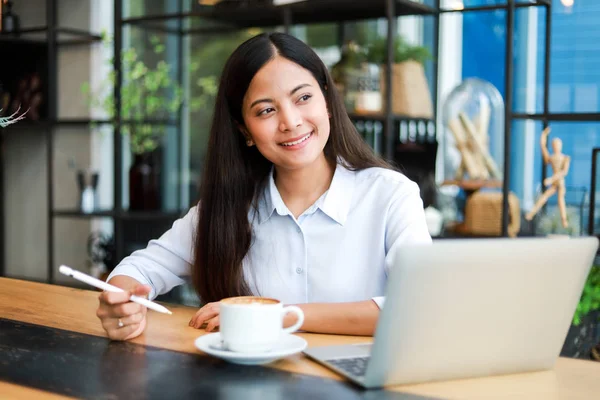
point(249, 300)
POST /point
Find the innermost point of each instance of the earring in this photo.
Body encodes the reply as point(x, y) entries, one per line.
point(249, 142)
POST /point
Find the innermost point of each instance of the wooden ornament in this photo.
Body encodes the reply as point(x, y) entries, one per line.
point(462, 146)
point(560, 164)
point(473, 136)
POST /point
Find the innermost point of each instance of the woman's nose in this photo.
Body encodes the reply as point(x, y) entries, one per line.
point(290, 118)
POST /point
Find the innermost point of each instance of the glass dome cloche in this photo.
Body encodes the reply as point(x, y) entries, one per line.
point(473, 150)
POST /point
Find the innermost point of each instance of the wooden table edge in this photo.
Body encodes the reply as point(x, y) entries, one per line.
point(55, 308)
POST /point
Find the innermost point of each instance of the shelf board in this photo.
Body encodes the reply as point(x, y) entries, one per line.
point(312, 11)
point(74, 213)
point(474, 184)
point(559, 117)
point(367, 117)
point(414, 147)
point(122, 215)
point(304, 12)
point(27, 123)
point(79, 34)
point(494, 7)
point(44, 123)
point(149, 215)
point(81, 121)
point(6, 38)
point(459, 229)
point(381, 117)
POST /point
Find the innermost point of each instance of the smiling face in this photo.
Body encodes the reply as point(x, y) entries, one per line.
point(285, 115)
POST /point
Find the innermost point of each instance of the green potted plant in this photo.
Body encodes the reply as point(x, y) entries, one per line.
point(351, 58)
point(590, 298)
point(589, 307)
point(149, 98)
point(582, 338)
point(147, 92)
point(410, 91)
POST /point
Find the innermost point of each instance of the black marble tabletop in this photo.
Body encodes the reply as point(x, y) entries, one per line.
point(86, 366)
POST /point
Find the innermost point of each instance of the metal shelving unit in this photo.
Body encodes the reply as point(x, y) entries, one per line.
point(510, 116)
point(228, 19)
point(122, 215)
point(338, 11)
point(268, 16)
point(51, 43)
point(54, 40)
point(307, 12)
point(220, 19)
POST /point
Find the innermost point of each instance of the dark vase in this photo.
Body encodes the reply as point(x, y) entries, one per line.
point(10, 21)
point(144, 181)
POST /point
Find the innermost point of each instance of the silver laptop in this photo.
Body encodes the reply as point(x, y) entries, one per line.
point(467, 308)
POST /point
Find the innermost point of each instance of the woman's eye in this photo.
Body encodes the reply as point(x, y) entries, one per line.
point(265, 111)
point(305, 97)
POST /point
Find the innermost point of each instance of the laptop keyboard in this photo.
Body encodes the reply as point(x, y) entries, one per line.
point(356, 366)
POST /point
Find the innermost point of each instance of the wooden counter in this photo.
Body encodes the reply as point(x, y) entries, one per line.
point(74, 310)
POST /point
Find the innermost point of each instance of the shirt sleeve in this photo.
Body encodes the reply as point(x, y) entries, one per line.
point(405, 225)
point(166, 260)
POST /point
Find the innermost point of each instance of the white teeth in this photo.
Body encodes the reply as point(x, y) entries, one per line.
point(297, 141)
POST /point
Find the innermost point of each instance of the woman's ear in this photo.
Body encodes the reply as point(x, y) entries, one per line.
point(249, 141)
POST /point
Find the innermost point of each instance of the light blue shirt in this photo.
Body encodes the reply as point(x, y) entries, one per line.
point(338, 250)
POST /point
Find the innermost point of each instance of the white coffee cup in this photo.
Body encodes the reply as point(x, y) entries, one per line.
point(250, 324)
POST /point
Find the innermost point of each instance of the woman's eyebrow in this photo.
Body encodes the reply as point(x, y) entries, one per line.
point(294, 90)
point(301, 86)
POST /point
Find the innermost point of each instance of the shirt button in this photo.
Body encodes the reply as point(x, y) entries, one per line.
point(299, 270)
point(298, 230)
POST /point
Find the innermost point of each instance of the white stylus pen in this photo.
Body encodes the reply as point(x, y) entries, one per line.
point(90, 280)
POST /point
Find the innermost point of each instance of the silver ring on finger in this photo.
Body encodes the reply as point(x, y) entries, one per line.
point(120, 323)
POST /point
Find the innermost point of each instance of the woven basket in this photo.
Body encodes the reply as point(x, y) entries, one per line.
point(410, 92)
point(483, 214)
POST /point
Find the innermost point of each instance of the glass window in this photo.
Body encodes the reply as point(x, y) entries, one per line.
point(147, 110)
point(484, 45)
point(575, 57)
point(208, 52)
point(578, 139)
point(140, 8)
point(460, 4)
point(528, 61)
point(574, 68)
point(574, 88)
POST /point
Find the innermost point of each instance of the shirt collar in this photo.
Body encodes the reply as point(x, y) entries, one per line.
point(336, 203)
point(339, 197)
point(268, 199)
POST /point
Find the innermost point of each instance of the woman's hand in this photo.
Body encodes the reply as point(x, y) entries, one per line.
point(208, 314)
point(123, 319)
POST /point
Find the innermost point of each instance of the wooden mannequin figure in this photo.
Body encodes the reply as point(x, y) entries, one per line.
point(560, 166)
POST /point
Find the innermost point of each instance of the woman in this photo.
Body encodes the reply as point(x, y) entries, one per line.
point(293, 204)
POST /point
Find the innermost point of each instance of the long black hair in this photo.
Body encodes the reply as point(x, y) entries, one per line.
point(234, 172)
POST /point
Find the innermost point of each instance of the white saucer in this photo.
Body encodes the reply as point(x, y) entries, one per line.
point(286, 346)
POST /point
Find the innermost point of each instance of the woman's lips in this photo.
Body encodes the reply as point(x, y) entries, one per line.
point(297, 143)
